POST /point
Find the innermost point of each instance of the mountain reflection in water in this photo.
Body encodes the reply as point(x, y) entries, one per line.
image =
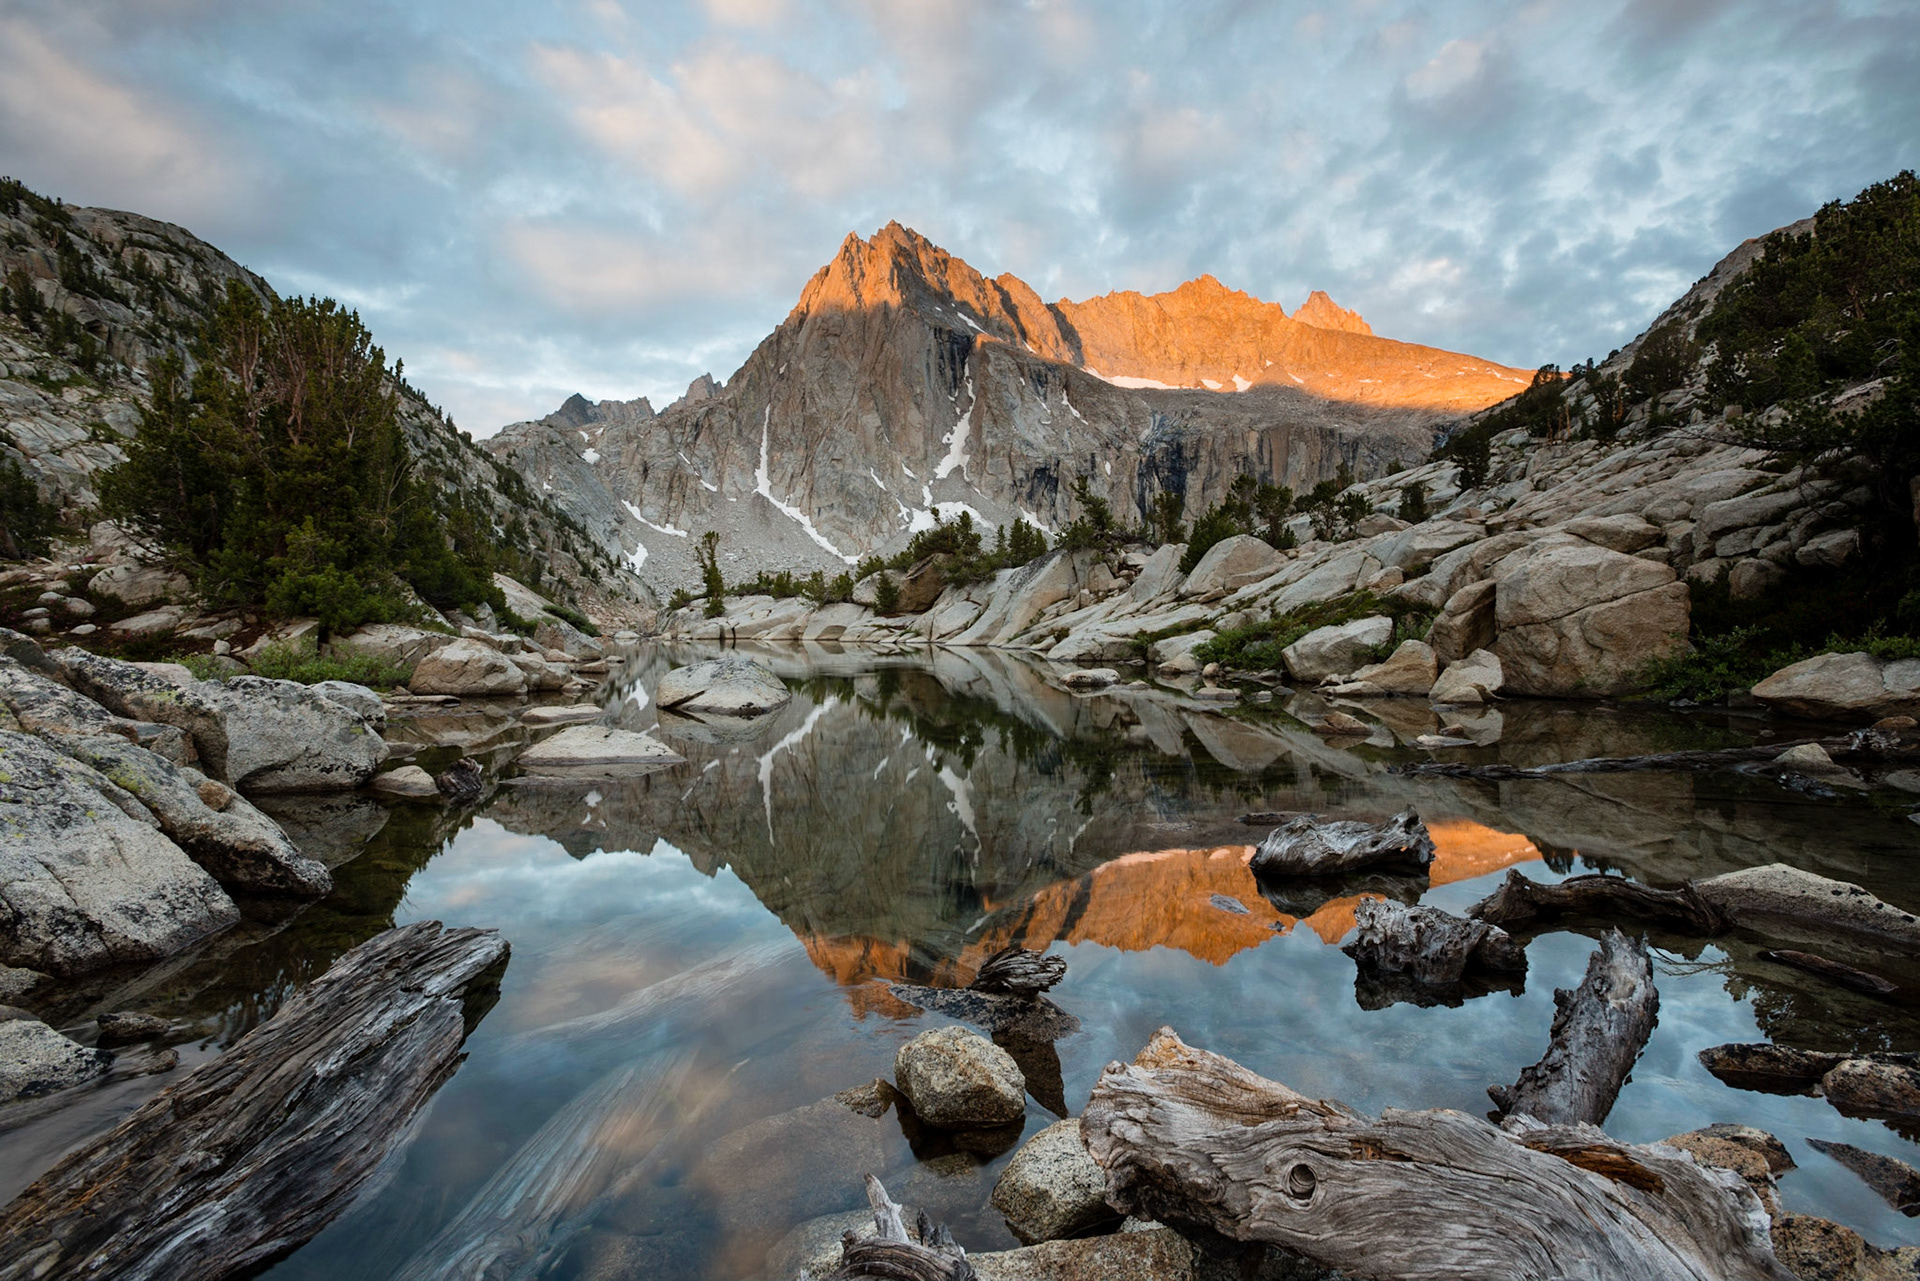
point(1205, 902)
point(701, 954)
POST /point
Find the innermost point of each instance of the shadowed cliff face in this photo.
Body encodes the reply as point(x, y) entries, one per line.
point(905, 382)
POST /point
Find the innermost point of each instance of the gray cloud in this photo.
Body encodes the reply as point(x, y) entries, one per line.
point(612, 197)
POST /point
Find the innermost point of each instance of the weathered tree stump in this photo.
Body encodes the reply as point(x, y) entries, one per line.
point(1017, 971)
point(1521, 900)
point(1193, 1139)
point(1308, 846)
point(255, 1152)
point(1428, 944)
point(1599, 1030)
point(928, 1252)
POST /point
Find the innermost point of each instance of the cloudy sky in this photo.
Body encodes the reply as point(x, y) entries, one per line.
point(613, 196)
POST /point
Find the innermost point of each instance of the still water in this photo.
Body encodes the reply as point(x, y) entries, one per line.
point(699, 954)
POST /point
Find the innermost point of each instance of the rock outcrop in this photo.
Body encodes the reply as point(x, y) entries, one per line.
point(1583, 620)
point(1051, 1188)
point(286, 737)
point(468, 669)
point(1844, 687)
point(87, 878)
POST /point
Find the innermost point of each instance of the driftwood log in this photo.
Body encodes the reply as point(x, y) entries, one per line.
point(896, 1253)
point(1192, 1139)
point(1018, 971)
point(1599, 1030)
point(1834, 971)
point(255, 1152)
point(1308, 846)
point(1428, 944)
point(1521, 900)
point(1869, 744)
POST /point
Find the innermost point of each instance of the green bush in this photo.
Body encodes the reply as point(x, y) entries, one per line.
point(279, 476)
point(579, 621)
point(27, 521)
point(886, 595)
point(1258, 646)
point(1413, 503)
point(1251, 506)
point(302, 662)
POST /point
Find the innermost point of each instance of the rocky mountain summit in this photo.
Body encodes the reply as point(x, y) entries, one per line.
point(905, 384)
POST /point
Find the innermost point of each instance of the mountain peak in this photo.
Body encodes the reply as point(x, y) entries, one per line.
point(1323, 312)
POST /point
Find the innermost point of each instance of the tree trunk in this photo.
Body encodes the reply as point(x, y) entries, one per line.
point(1599, 1030)
point(1194, 1139)
point(1521, 901)
point(252, 1154)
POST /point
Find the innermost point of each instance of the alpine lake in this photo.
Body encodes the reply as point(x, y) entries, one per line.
point(701, 954)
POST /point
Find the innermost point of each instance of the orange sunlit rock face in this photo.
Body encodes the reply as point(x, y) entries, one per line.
point(1201, 335)
point(1178, 898)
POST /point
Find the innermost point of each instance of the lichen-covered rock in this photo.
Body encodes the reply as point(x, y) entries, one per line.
point(36, 1060)
point(241, 847)
point(1155, 1254)
point(957, 1079)
point(357, 699)
point(285, 737)
point(1051, 1188)
point(1844, 687)
point(468, 669)
point(728, 686)
point(87, 879)
point(126, 690)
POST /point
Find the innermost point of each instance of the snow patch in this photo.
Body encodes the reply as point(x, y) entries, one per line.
point(878, 481)
point(658, 529)
point(1209, 384)
point(790, 741)
point(1070, 409)
point(637, 557)
point(924, 519)
point(1035, 521)
point(961, 806)
point(585, 439)
point(1134, 384)
point(764, 487)
point(591, 455)
point(1240, 384)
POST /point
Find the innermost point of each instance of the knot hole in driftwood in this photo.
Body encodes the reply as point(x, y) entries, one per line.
point(1301, 1181)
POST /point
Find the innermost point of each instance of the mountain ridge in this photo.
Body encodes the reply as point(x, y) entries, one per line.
point(905, 384)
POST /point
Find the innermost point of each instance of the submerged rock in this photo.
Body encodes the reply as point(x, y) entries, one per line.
point(597, 749)
point(958, 1079)
point(409, 782)
point(36, 1060)
point(729, 686)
